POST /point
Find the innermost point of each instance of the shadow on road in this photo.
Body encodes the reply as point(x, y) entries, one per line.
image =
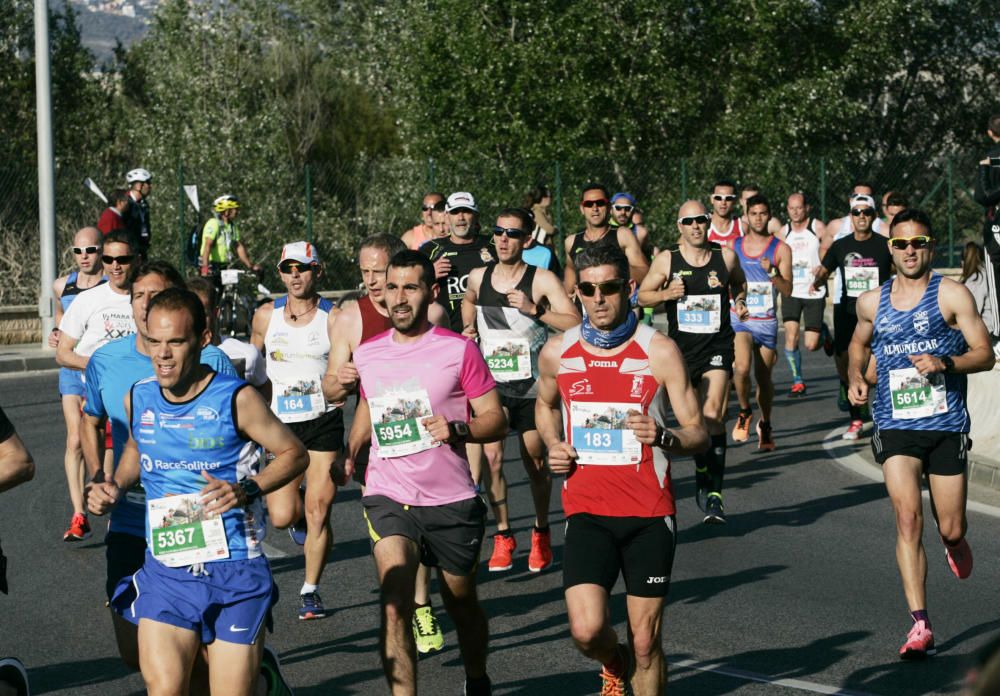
point(76, 675)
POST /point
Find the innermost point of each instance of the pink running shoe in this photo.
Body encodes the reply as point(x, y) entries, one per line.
point(959, 559)
point(919, 643)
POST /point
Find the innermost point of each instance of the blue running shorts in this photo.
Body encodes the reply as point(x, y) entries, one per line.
point(70, 382)
point(763, 331)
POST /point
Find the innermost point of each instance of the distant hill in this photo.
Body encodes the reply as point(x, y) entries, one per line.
point(103, 22)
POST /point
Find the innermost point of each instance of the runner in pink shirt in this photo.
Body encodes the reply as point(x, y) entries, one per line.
point(419, 386)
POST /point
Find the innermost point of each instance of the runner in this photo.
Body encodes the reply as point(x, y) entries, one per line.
point(87, 255)
point(696, 279)
point(508, 307)
point(204, 581)
point(417, 236)
point(746, 193)
point(355, 325)
point(893, 203)
point(806, 304)
point(725, 227)
point(254, 369)
point(623, 207)
point(617, 494)
point(293, 333)
point(418, 383)
point(862, 262)
point(594, 207)
point(925, 335)
point(767, 265)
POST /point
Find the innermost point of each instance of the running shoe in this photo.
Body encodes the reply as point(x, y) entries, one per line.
point(614, 683)
point(12, 671)
point(853, 431)
point(827, 338)
point(765, 436)
point(715, 512)
point(959, 559)
point(426, 630)
point(270, 667)
point(503, 553)
point(701, 481)
point(311, 607)
point(919, 643)
point(842, 402)
point(540, 556)
point(798, 389)
point(741, 431)
point(79, 528)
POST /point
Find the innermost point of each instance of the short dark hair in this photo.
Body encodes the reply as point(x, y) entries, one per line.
point(536, 194)
point(594, 186)
point(117, 196)
point(862, 182)
point(750, 187)
point(897, 199)
point(388, 243)
point(758, 199)
point(603, 255)
point(527, 220)
point(181, 299)
point(994, 124)
point(119, 236)
point(160, 268)
point(203, 287)
point(912, 215)
point(408, 258)
point(724, 182)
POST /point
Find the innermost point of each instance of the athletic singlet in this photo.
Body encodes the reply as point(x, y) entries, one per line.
point(845, 230)
point(509, 340)
point(905, 399)
point(71, 289)
point(735, 232)
point(372, 321)
point(699, 320)
point(610, 238)
point(805, 257)
point(761, 292)
point(296, 363)
point(614, 474)
point(177, 441)
point(418, 237)
point(463, 257)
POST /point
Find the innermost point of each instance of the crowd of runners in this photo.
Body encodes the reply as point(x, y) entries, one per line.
point(467, 329)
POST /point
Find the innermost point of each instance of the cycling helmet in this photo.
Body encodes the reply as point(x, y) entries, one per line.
point(223, 203)
point(137, 175)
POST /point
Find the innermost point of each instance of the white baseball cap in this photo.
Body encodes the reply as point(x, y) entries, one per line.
point(461, 200)
point(303, 252)
point(862, 199)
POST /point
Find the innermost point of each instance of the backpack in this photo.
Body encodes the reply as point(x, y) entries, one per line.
point(192, 245)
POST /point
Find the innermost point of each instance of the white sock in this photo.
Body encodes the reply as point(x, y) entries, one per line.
point(307, 588)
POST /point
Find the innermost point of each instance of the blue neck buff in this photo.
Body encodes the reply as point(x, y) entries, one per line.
point(609, 339)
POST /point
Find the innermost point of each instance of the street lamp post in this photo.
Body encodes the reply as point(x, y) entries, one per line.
point(46, 166)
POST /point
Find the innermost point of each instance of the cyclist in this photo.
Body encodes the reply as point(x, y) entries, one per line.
point(220, 239)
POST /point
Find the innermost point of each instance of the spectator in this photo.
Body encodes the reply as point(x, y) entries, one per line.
point(988, 195)
point(974, 276)
point(139, 183)
point(538, 201)
point(113, 217)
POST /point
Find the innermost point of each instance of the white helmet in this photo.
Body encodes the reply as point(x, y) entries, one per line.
point(137, 175)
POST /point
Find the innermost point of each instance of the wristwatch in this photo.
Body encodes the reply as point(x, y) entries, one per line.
point(949, 364)
point(458, 431)
point(664, 438)
point(539, 311)
point(251, 491)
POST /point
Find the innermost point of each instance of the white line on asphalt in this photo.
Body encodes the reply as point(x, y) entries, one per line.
point(273, 551)
point(841, 453)
point(800, 684)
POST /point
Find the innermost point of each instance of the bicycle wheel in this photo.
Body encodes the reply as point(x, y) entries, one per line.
point(227, 316)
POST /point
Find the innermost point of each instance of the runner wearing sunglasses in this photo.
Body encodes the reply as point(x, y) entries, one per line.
point(862, 262)
point(696, 279)
point(509, 306)
point(725, 227)
point(925, 335)
point(89, 273)
point(623, 209)
point(417, 236)
point(600, 412)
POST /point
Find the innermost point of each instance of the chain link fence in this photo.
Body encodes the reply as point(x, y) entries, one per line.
point(335, 205)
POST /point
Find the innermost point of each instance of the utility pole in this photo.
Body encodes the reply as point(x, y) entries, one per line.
point(46, 167)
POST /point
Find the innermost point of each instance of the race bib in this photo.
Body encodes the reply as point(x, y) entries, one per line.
point(396, 423)
point(760, 298)
point(801, 273)
point(599, 434)
point(183, 533)
point(699, 313)
point(915, 395)
point(230, 276)
point(860, 279)
point(508, 355)
point(299, 401)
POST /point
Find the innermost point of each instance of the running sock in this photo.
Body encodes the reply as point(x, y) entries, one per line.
point(920, 615)
point(702, 465)
point(477, 685)
point(543, 530)
point(855, 412)
point(307, 588)
point(717, 462)
point(795, 362)
point(505, 533)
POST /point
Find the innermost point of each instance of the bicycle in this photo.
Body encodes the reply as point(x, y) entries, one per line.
point(237, 302)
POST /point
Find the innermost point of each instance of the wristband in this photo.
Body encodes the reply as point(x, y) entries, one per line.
point(949, 364)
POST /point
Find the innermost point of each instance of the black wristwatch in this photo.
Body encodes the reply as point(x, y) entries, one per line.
point(251, 491)
point(458, 431)
point(949, 364)
point(664, 438)
point(539, 311)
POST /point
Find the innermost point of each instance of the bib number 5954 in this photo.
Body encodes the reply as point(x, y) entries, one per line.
point(395, 431)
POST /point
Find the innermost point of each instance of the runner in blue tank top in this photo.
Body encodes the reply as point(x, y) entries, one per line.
point(193, 433)
point(767, 265)
point(925, 335)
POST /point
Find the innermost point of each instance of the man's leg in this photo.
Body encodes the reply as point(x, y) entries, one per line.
point(792, 352)
point(645, 617)
point(320, 492)
point(495, 483)
point(474, 453)
point(948, 482)
point(712, 391)
point(763, 363)
point(471, 625)
point(396, 561)
point(73, 462)
point(902, 480)
point(234, 668)
point(285, 506)
point(166, 655)
point(540, 480)
point(590, 622)
point(743, 345)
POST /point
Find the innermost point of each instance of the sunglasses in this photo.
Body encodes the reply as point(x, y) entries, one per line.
point(85, 250)
point(693, 220)
point(511, 232)
point(720, 197)
point(597, 203)
point(921, 241)
point(608, 287)
point(437, 206)
point(867, 212)
point(626, 208)
point(291, 266)
point(120, 260)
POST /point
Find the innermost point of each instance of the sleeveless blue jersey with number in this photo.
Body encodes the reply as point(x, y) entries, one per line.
point(899, 334)
point(756, 274)
point(177, 441)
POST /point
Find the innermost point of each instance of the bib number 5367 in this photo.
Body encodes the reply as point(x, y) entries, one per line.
point(170, 538)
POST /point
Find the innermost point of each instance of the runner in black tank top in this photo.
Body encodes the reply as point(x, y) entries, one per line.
point(697, 291)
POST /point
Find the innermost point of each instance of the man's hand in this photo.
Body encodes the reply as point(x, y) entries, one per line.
point(742, 312)
point(54, 338)
point(562, 456)
point(206, 270)
point(675, 289)
point(437, 428)
point(470, 332)
point(341, 470)
point(347, 376)
point(442, 267)
point(221, 496)
point(644, 427)
point(927, 364)
point(765, 263)
point(857, 392)
point(101, 496)
point(521, 302)
point(256, 268)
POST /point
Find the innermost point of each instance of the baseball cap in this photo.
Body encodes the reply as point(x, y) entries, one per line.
point(303, 252)
point(461, 200)
point(862, 199)
point(627, 196)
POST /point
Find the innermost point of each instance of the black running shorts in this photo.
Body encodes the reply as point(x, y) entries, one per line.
point(597, 548)
point(718, 358)
point(449, 536)
point(942, 453)
point(807, 312)
point(520, 413)
point(323, 434)
point(125, 554)
point(844, 322)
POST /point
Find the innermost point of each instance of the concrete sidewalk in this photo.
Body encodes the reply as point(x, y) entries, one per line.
point(26, 357)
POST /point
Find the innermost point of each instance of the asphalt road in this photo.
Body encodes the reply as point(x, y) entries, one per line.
point(799, 593)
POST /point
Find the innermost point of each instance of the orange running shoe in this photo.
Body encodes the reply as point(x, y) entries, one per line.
point(741, 431)
point(540, 557)
point(765, 436)
point(503, 553)
point(79, 528)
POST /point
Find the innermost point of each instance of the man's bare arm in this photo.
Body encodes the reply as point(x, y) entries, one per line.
point(562, 314)
point(341, 378)
point(652, 290)
point(959, 304)
point(569, 270)
point(667, 363)
point(65, 355)
point(859, 351)
point(16, 464)
point(638, 267)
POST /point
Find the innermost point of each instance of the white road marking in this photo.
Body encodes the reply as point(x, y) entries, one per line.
point(800, 684)
point(273, 551)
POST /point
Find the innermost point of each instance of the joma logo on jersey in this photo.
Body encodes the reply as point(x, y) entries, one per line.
point(197, 442)
point(602, 363)
point(656, 580)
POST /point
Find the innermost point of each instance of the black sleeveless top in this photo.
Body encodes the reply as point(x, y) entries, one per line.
point(705, 303)
point(580, 244)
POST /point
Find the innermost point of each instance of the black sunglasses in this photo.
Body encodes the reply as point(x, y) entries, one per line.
point(85, 250)
point(867, 212)
point(290, 266)
point(511, 232)
point(693, 219)
point(597, 203)
point(439, 206)
point(608, 287)
point(120, 260)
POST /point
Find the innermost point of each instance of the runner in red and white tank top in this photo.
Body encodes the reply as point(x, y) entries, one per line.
point(603, 389)
point(726, 227)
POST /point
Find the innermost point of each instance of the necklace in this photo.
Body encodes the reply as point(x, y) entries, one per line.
point(296, 317)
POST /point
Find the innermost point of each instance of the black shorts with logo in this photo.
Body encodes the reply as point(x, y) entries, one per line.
point(720, 357)
point(597, 548)
point(942, 453)
point(808, 312)
point(125, 554)
point(323, 434)
point(450, 536)
point(520, 413)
